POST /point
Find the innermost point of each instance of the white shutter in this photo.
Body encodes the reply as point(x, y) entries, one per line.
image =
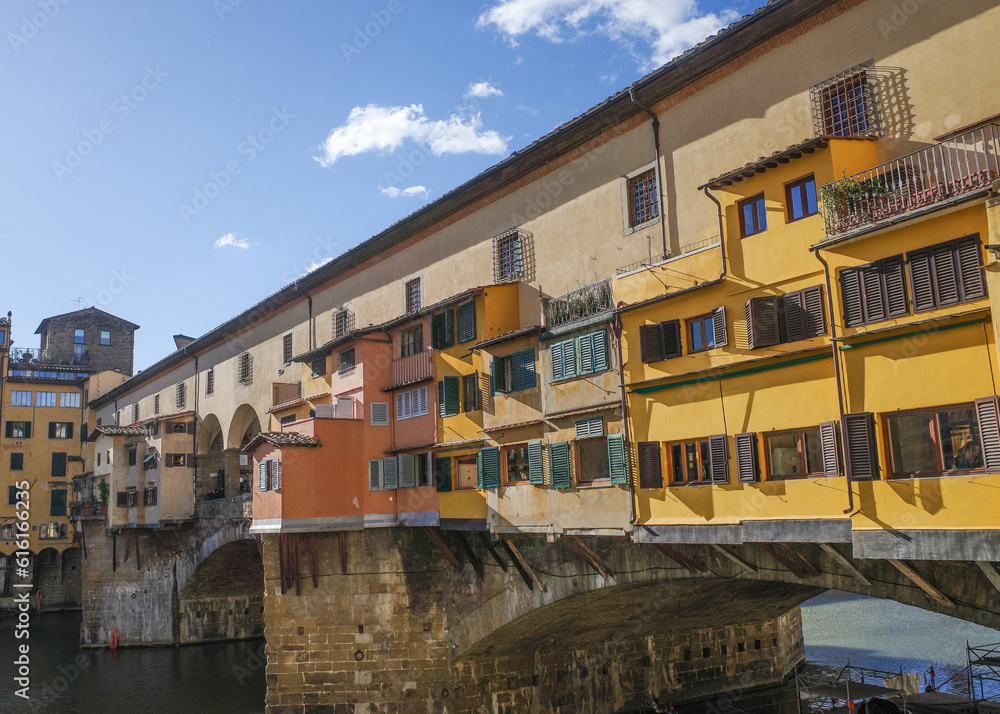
point(275, 474)
point(594, 426)
point(407, 470)
point(345, 407)
point(263, 476)
point(402, 405)
point(430, 468)
point(379, 413)
point(390, 473)
point(375, 475)
point(420, 401)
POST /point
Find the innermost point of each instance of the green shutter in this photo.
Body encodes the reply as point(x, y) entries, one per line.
point(586, 343)
point(559, 465)
point(497, 380)
point(441, 406)
point(52, 430)
point(449, 327)
point(479, 470)
point(558, 366)
point(452, 396)
point(466, 319)
point(442, 474)
point(599, 340)
point(488, 467)
point(616, 458)
point(536, 475)
point(522, 367)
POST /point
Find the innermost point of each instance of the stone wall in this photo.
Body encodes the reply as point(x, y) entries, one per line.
point(116, 356)
point(60, 584)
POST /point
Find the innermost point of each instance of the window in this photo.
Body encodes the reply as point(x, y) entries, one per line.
point(661, 341)
point(411, 341)
point(411, 403)
point(466, 472)
point(156, 399)
point(772, 320)
point(244, 368)
point(753, 216)
point(128, 499)
point(425, 467)
point(18, 430)
point(105, 337)
point(181, 395)
point(592, 461)
point(79, 337)
point(793, 454)
point(379, 412)
point(345, 362)
point(443, 329)
point(16, 461)
point(689, 462)
point(701, 333)
point(641, 198)
point(286, 420)
point(448, 396)
point(516, 464)
point(582, 355)
point(507, 256)
point(60, 430)
point(13, 495)
point(149, 496)
point(946, 274)
point(57, 506)
point(178, 427)
point(843, 105)
point(470, 392)
point(45, 399)
point(20, 399)
point(514, 372)
point(132, 454)
point(149, 462)
point(319, 367)
point(343, 322)
point(874, 292)
point(466, 318)
point(800, 199)
point(58, 465)
point(177, 460)
point(69, 399)
point(412, 295)
point(135, 412)
point(931, 442)
point(286, 348)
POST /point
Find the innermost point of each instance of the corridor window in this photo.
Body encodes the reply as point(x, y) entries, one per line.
point(45, 399)
point(934, 441)
point(800, 199)
point(516, 459)
point(69, 399)
point(20, 399)
point(753, 217)
point(641, 198)
point(412, 295)
point(794, 454)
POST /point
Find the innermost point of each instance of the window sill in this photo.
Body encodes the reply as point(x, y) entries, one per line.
point(629, 230)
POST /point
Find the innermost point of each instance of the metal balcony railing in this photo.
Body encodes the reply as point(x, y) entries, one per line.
point(34, 355)
point(936, 174)
point(580, 304)
point(88, 512)
point(287, 392)
point(407, 370)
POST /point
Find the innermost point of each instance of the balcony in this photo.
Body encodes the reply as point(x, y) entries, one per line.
point(588, 301)
point(287, 392)
point(915, 183)
point(408, 370)
point(88, 512)
point(33, 355)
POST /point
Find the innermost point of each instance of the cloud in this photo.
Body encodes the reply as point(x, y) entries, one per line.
point(531, 110)
point(230, 239)
point(314, 264)
point(393, 192)
point(483, 89)
point(668, 27)
point(385, 129)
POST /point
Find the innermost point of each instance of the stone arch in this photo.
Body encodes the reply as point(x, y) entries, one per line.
point(211, 460)
point(224, 597)
point(244, 425)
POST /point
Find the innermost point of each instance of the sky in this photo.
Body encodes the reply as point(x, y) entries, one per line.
point(175, 161)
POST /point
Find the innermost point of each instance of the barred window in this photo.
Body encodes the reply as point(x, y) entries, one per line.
point(135, 412)
point(412, 292)
point(181, 395)
point(286, 348)
point(641, 194)
point(845, 105)
point(209, 384)
point(156, 403)
point(343, 322)
point(507, 256)
point(244, 369)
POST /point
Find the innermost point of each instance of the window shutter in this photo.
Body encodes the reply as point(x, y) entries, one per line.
point(517, 372)
point(419, 405)
point(407, 471)
point(52, 430)
point(449, 327)
point(894, 276)
point(616, 458)
point(718, 453)
point(586, 343)
point(719, 327)
point(671, 338)
point(59, 465)
point(379, 413)
point(970, 268)
point(374, 474)
point(650, 343)
point(945, 275)
point(871, 289)
point(560, 474)
point(850, 290)
point(122, 499)
point(921, 283)
point(815, 323)
point(27, 430)
point(528, 368)
point(442, 474)
point(989, 432)
point(862, 460)
point(436, 330)
point(600, 344)
point(592, 426)
point(747, 469)
point(452, 387)
point(828, 445)
point(69, 430)
point(490, 459)
point(536, 475)
point(795, 317)
point(479, 470)
point(762, 321)
point(467, 322)
point(262, 471)
point(650, 471)
point(390, 473)
point(558, 365)
point(9, 430)
point(497, 377)
point(442, 410)
point(275, 474)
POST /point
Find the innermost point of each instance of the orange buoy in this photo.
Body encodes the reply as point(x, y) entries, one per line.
point(113, 640)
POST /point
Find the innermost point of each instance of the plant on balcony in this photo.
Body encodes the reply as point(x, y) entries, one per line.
point(853, 201)
point(103, 491)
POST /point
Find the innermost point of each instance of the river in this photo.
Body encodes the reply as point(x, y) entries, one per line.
point(229, 678)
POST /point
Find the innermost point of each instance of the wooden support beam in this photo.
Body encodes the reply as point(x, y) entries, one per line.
point(922, 583)
point(736, 559)
point(442, 546)
point(795, 555)
point(524, 564)
point(590, 557)
point(988, 570)
point(782, 557)
point(517, 564)
point(464, 546)
point(846, 562)
point(493, 551)
point(689, 563)
point(343, 553)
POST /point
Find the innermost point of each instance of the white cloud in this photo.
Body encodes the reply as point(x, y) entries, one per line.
point(530, 110)
point(668, 27)
point(230, 239)
point(393, 192)
point(313, 264)
point(483, 89)
point(385, 129)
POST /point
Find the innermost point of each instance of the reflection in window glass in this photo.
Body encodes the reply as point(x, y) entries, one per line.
point(517, 464)
point(932, 442)
point(593, 459)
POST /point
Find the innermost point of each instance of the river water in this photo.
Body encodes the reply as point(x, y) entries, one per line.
point(229, 678)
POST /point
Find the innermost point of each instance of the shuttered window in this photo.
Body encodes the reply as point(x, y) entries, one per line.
point(275, 474)
point(762, 321)
point(563, 356)
point(707, 332)
point(449, 396)
point(946, 274)
point(442, 474)
point(660, 342)
point(617, 459)
point(859, 433)
point(791, 317)
point(443, 329)
point(59, 465)
point(488, 467)
point(718, 449)
point(407, 471)
point(874, 292)
point(513, 372)
point(989, 432)
point(591, 426)
point(747, 467)
point(536, 475)
point(650, 470)
point(263, 472)
point(560, 473)
point(375, 482)
point(593, 350)
point(390, 473)
point(466, 315)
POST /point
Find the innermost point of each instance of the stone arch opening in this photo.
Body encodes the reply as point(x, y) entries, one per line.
point(224, 597)
point(212, 467)
point(244, 426)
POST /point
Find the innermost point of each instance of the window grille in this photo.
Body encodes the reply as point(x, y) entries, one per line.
point(641, 193)
point(846, 104)
point(508, 256)
point(413, 295)
point(343, 322)
point(245, 368)
point(181, 395)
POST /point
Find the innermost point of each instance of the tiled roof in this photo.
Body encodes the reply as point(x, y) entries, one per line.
point(281, 438)
point(116, 431)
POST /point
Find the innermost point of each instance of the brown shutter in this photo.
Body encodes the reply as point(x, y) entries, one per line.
point(989, 432)
point(671, 339)
point(862, 459)
point(650, 471)
point(945, 275)
point(762, 321)
point(828, 445)
point(970, 268)
point(718, 453)
point(921, 282)
point(894, 277)
point(747, 469)
point(795, 318)
point(815, 322)
point(850, 290)
point(651, 343)
point(719, 327)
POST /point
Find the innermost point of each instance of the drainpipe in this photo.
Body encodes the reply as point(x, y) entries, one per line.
point(722, 241)
point(659, 175)
point(837, 376)
point(309, 302)
point(616, 329)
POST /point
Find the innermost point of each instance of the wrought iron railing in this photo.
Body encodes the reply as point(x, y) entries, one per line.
point(34, 355)
point(580, 304)
point(938, 173)
point(407, 370)
point(644, 263)
point(88, 512)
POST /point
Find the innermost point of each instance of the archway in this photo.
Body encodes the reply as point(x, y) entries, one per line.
point(211, 461)
point(244, 426)
point(224, 597)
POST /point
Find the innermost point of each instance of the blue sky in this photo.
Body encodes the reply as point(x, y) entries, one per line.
point(174, 162)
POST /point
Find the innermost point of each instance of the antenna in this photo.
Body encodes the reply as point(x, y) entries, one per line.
point(79, 301)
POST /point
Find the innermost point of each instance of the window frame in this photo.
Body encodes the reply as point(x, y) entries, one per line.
point(508, 256)
point(474, 391)
point(893, 475)
point(704, 467)
point(18, 395)
point(79, 336)
point(705, 320)
point(465, 459)
point(629, 209)
point(413, 295)
point(343, 367)
point(578, 470)
point(742, 218)
point(287, 348)
point(18, 429)
point(789, 203)
point(411, 341)
point(800, 434)
point(102, 334)
point(505, 452)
